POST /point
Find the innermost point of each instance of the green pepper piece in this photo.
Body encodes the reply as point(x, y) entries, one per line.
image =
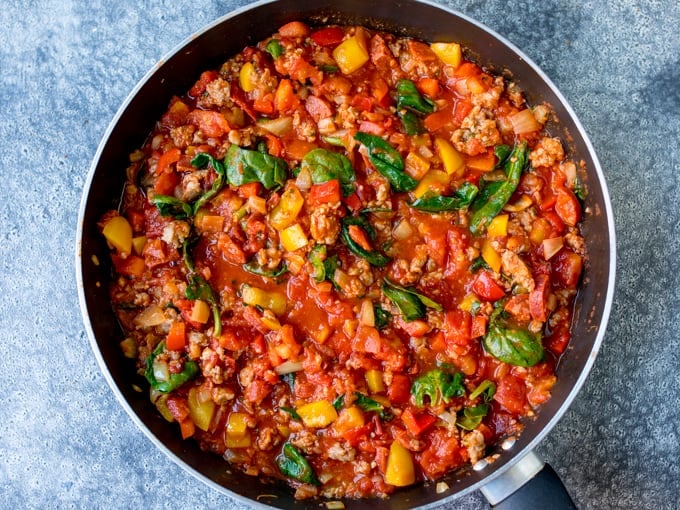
point(317, 256)
point(201, 160)
point(292, 464)
point(493, 204)
point(274, 48)
point(174, 381)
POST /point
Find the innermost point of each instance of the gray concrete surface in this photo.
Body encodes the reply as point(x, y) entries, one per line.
point(65, 67)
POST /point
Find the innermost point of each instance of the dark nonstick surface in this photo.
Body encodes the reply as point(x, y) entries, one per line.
point(209, 49)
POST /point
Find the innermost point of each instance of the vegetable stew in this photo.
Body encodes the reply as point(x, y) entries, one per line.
point(347, 260)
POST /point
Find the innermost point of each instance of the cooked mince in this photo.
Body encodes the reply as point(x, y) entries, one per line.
point(347, 260)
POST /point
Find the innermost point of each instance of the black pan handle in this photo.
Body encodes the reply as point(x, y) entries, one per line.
point(529, 484)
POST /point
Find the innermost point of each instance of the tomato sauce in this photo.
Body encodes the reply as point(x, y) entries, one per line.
point(348, 260)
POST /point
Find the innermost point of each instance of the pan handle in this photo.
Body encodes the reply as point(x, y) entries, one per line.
point(531, 483)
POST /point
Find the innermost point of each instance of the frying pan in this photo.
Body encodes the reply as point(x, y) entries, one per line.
point(517, 478)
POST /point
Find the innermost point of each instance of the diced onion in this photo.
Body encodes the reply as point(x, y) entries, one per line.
point(160, 371)
point(448, 418)
point(288, 367)
point(366, 314)
point(278, 127)
point(257, 204)
point(551, 247)
point(403, 230)
point(151, 316)
point(523, 203)
point(304, 179)
point(323, 478)
point(327, 126)
point(334, 505)
point(441, 487)
point(524, 122)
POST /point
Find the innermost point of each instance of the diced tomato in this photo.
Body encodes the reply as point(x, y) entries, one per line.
point(239, 97)
point(511, 394)
point(294, 29)
point(567, 267)
point(380, 90)
point(297, 149)
point(437, 342)
point(257, 391)
point(230, 250)
point(156, 253)
point(460, 111)
point(324, 193)
point(439, 119)
point(176, 114)
point(568, 207)
point(362, 103)
point(166, 183)
point(129, 266)
point(538, 299)
point(353, 202)
point(437, 247)
point(467, 69)
point(329, 36)
point(518, 306)
point(200, 86)
point(274, 145)
point(442, 452)
point(416, 328)
point(185, 307)
point(264, 104)
point(399, 390)
point(373, 128)
point(176, 338)
point(557, 341)
point(416, 422)
point(213, 124)
point(429, 87)
point(178, 407)
point(285, 100)
point(556, 223)
point(478, 326)
point(357, 434)
point(367, 339)
point(251, 189)
point(301, 70)
point(358, 235)
point(457, 327)
point(166, 159)
point(487, 288)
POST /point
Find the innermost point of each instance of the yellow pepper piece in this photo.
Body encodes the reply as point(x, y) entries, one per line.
point(138, 244)
point(374, 380)
point(293, 238)
point(118, 233)
point(491, 256)
point(237, 425)
point(350, 418)
point(449, 53)
point(247, 77)
point(201, 411)
point(350, 55)
point(200, 311)
point(451, 159)
point(498, 227)
point(434, 180)
point(317, 414)
point(285, 212)
point(274, 301)
point(238, 442)
point(468, 302)
point(399, 470)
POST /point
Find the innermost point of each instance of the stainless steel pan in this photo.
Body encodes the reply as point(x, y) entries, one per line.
point(208, 49)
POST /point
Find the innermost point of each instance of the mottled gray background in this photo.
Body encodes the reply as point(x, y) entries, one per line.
point(66, 66)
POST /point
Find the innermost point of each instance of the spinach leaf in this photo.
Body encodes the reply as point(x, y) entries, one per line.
point(411, 123)
point(255, 268)
point(173, 381)
point(292, 464)
point(187, 246)
point(477, 264)
point(201, 160)
point(382, 317)
point(199, 288)
point(325, 165)
point(470, 417)
point(329, 266)
point(502, 152)
point(245, 166)
point(438, 386)
point(369, 405)
point(462, 198)
point(374, 257)
point(411, 304)
point(512, 345)
point(339, 402)
point(387, 161)
point(293, 413)
point(409, 97)
point(289, 379)
point(274, 48)
point(490, 206)
point(173, 207)
point(486, 388)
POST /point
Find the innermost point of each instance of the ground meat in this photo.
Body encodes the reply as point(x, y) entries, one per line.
point(477, 132)
point(517, 270)
point(191, 187)
point(575, 241)
point(175, 233)
point(217, 93)
point(324, 223)
point(547, 152)
point(489, 98)
point(342, 452)
point(306, 441)
point(474, 442)
point(182, 136)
